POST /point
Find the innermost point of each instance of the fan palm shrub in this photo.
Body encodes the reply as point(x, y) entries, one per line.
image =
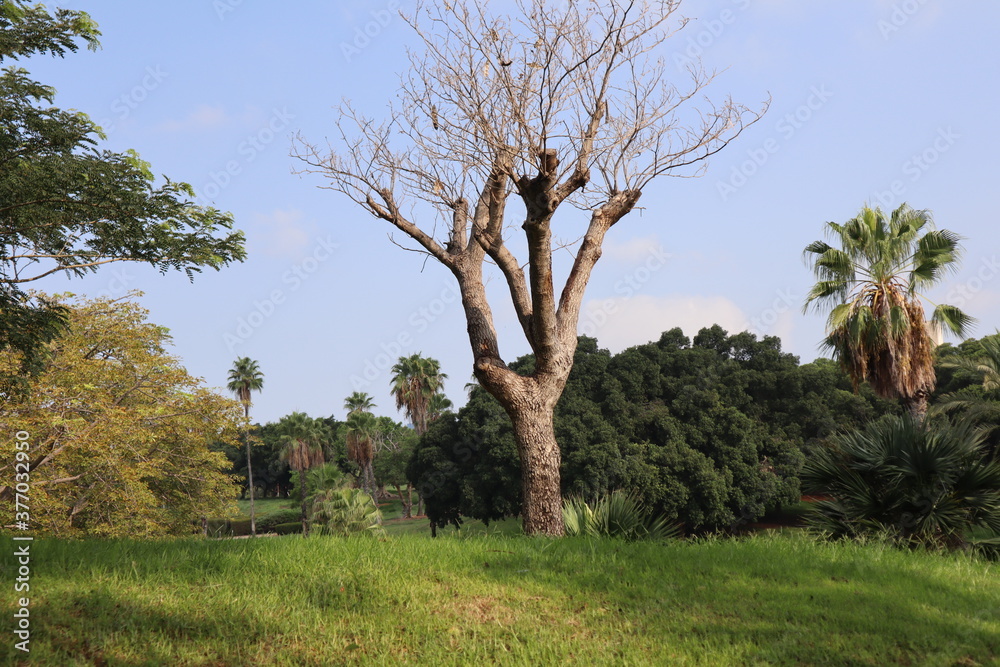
point(347, 511)
point(617, 514)
point(920, 484)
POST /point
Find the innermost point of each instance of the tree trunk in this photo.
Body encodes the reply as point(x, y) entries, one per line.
point(541, 503)
point(916, 405)
point(408, 503)
point(253, 521)
point(305, 515)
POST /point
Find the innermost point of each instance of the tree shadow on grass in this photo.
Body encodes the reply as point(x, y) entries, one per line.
point(98, 628)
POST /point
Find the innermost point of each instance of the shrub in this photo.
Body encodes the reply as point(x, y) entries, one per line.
point(288, 528)
point(346, 512)
point(921, 484)
point(618, 514)
point(268, 523)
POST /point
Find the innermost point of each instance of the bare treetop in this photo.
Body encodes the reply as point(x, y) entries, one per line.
point(572, 92)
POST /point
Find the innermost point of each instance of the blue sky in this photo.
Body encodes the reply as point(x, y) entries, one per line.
point(872, 101)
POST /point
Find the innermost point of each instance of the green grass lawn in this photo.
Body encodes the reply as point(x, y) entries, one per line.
point(474, 599)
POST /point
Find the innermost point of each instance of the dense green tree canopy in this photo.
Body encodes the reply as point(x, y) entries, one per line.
point(66, 205)
point(121, 440)
point(709, 431)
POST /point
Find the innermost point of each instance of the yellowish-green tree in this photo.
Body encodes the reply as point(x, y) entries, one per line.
point(120, 436)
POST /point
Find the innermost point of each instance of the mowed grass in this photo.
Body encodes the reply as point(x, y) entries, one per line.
point(773, 599)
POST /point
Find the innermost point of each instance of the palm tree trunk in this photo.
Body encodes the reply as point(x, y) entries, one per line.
point(917, 405)
point(253, 520)
point(302, 487)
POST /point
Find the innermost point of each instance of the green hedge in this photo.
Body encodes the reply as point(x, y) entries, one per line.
point(268, 523)
point(288, 528)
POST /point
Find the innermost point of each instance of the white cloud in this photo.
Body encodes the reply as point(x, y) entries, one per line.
point(633, 251)
point(202, 118)
point(621, 322)
point(281, 233)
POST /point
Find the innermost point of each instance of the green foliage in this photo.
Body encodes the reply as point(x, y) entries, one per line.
point(121, 439)
point(346, 511)
point(617, 514)
point(270, 522)
point(67, 206)
point(918, 484)
point(709, 432)
point(289, 528)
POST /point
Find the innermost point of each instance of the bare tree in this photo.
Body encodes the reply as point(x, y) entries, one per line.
point(566, 103)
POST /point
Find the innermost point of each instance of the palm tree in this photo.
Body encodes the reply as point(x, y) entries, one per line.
point(414, 381)
point(245, 377)
point(361, 428)
point(359, 401)
point(438, 405)
point(872, 287)
point(303, 448)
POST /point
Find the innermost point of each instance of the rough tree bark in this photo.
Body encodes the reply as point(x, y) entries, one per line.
point(563, 104)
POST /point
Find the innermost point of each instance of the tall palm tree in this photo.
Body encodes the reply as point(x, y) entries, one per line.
point(303, 439)
point(361, 428)
point(414, 381)
point(359, 401)
point(245, 377)
point(872, 287)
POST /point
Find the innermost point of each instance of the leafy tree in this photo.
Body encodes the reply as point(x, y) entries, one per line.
point(708, 432)
point(68, 206)
point(245, 377)
point(303, 437)
point(389, 466)
point(120, 436)
point(562, 107)
point(872, 286)
point(920, 483)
